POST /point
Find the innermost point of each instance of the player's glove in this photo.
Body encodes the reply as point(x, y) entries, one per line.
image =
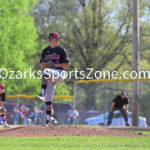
point(47, 64)
point(3, 110)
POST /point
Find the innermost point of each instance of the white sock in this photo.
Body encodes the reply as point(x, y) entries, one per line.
point(42, 91)
point(48, 117)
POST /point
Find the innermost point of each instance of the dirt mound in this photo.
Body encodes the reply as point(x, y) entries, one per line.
point(34, 131)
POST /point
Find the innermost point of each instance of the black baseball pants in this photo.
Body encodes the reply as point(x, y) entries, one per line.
point(123, 112)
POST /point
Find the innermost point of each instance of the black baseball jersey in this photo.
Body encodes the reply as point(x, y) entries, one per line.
point(119, 102)
point(57, 55)
point(2, 96)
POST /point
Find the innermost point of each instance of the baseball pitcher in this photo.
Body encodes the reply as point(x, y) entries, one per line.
point(54, 60)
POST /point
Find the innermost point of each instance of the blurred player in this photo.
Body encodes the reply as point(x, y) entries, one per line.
point(119, 103)
point(24, 113)
point(72, 116)
point(35, 116)
point(54, 73)
point(2, 109)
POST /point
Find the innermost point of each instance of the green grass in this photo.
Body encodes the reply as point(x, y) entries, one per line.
point(138, 131)
point(75, 143)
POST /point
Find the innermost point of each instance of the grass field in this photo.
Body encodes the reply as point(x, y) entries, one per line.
point(138, 131)
point(75, 143)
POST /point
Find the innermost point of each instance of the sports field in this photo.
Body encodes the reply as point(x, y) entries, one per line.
point(75, 143)
point(29, 138)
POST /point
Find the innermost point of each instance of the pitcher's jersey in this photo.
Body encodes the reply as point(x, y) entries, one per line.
point(57, 55)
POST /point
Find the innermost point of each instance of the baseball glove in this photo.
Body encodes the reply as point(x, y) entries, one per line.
point(3, 110)
point(47, 64)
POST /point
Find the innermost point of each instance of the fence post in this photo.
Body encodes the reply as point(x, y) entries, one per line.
point(104, 101)
point(74, 102)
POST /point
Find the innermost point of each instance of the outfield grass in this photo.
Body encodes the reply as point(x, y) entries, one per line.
point(75, 143)
point(138, 131)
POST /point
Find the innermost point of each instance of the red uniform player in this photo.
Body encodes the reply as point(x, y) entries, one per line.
point(2, 109)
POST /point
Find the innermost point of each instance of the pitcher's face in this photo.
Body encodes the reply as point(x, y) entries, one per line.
point(54, 42)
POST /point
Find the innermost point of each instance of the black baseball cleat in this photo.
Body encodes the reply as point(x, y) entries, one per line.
point(108, 124)
point(47, 123)
point(40, 98)
point(127, 124)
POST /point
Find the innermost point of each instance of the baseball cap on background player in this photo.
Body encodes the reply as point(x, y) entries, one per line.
point(2, 86)
point(123, 93)
point(54, 35)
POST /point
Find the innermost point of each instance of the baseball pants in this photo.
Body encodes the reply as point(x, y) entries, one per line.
point(55, 76)
point(123, 112)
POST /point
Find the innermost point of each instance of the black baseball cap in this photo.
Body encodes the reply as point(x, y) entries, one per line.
point(54, 35)
point(123, 93)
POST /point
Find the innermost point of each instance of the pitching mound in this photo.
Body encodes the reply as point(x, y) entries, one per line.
point(34, 131)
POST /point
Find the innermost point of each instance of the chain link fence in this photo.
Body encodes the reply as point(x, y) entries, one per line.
point(26, 110)
point(94, 98)
point(91, 99)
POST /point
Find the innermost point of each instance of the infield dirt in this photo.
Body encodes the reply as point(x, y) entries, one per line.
point(34, 131)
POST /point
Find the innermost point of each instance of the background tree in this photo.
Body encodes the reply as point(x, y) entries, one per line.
point(18, 43)
point(88, 36)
